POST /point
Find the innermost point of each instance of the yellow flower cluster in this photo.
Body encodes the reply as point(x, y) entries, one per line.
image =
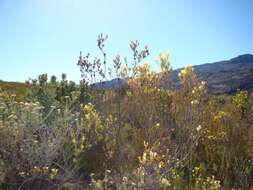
point(211, 184)
point(208, 183)
point(124, 71)
point(164, 183)
point(219, 116)
point(148, 156)
point(45, 170)
point(78, 145)
point(163, 60)
point(187, 71)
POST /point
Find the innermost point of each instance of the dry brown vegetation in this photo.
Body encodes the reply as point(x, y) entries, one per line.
point(139, 136)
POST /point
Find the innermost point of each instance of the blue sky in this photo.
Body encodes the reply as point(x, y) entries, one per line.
point(45, 36)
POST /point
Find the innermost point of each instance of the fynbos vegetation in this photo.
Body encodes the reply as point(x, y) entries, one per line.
point(143, 135)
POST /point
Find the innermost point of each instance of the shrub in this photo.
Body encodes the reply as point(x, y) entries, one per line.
point(145, 134)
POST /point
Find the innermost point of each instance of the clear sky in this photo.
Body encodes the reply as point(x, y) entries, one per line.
point(45, 36)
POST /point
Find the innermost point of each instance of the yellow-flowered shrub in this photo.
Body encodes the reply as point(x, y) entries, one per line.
point(144, 133)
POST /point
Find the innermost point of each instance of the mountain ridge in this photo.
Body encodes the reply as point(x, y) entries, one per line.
point(225, 76)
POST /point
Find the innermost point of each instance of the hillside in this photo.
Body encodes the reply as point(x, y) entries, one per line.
point(223, 77)
point(17, 88)
point(226, 76)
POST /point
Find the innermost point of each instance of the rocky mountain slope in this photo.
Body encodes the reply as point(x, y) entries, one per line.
point(223, 77)
point(228, 76)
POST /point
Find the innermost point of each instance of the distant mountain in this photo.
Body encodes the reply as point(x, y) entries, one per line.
point(222, 77)
point(110, 84)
